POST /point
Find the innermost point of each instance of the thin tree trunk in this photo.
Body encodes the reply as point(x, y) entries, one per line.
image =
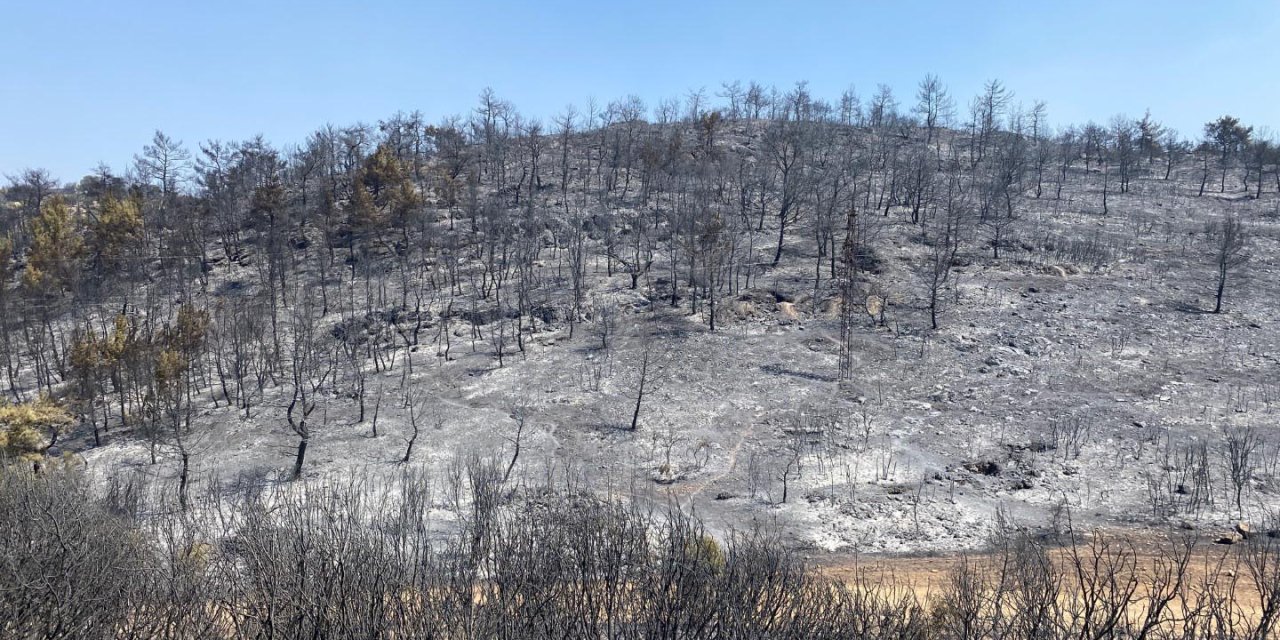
point(302, 454)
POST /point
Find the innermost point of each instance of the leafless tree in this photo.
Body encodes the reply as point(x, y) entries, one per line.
point(1240, 459)
point(934, 106)
point(944, 234)
point(419, 410)
point(310, 367)
point(1230, 241)
point(645, 376)
point(787, 146)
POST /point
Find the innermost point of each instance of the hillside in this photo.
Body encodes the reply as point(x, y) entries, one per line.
point(874, 333)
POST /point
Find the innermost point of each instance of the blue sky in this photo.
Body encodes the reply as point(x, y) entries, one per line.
point(83, 82)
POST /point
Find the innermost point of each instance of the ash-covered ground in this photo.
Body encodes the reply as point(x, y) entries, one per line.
point(1077, 380)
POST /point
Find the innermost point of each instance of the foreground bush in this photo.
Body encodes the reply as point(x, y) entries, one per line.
point(364, 560)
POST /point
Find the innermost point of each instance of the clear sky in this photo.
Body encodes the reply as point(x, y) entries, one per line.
point(84, 82)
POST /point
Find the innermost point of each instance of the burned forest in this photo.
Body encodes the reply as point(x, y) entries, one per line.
point(684, 369)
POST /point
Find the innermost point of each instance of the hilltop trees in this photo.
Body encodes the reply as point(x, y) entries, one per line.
point(1175, 149)
point(163, 165)
point(934, 107)
point(1258, 155)
point(29, 189)
point(115, 233)
point(787, 143)
point(53, 258)
point(985, 114)
point(1230, 138)
point(1126, 144)
point(1151, 136)
point(383, 194)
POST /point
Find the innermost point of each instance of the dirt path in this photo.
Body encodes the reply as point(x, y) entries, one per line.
point(927, 576)
point(694, 491)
